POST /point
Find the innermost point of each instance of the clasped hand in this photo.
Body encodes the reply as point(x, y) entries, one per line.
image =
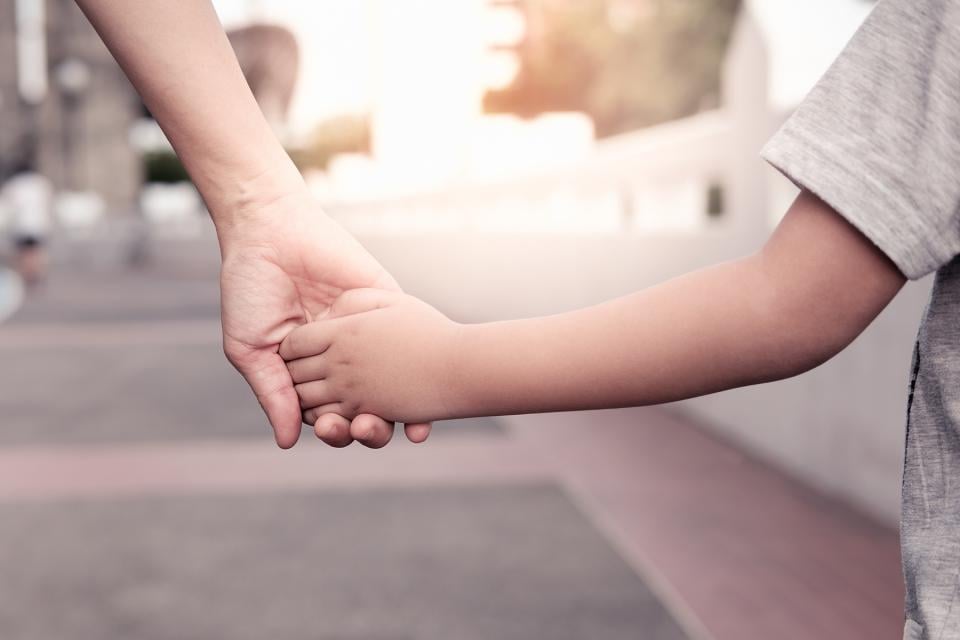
point(376, 352)
point(284, 265)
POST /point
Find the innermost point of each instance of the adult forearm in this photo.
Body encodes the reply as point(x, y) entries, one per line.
point(178, 57)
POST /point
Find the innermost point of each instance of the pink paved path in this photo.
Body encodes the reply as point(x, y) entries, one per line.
point(749, 552)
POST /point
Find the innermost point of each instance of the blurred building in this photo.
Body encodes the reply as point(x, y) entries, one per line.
point(68, 109)
point(69, 102)
point(270, 59)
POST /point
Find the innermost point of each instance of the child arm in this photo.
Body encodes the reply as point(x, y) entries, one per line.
point(814, 287)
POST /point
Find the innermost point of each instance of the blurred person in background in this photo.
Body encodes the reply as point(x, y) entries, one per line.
point(28, 198)
point(875, 148)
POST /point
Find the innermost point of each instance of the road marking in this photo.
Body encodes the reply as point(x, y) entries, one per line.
point(30, 474)
point(77, 335)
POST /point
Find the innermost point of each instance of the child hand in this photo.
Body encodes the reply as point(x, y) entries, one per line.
point(380, 352)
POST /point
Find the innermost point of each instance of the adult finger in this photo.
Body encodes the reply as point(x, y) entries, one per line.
point(371, 431)
point(266, 373)
point(386, 282)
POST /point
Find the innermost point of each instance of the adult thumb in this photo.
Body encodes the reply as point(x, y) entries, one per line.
point(266, 373)
point(360, 301)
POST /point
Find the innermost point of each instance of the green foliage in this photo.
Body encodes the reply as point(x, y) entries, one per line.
point(164, 167)
point(341, 134)
point(627, 63)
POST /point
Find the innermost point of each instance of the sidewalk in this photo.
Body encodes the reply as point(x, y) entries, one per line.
point(740, 547)
point(734, 550)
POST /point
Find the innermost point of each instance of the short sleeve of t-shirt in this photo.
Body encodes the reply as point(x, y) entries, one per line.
point(878, 138)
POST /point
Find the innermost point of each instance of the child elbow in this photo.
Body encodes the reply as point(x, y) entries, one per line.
point(806, 340)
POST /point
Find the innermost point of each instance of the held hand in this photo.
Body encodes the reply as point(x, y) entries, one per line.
point(378, 352)
point(283, 267)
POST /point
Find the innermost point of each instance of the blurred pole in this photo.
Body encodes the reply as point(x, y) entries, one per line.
point(73, 78)
point(31, 50)
point(31, 69)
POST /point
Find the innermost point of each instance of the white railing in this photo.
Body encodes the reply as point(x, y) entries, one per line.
point(656, 180)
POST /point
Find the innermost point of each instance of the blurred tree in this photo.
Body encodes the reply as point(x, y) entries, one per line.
point(627, 63)
point(341, 134)
point(163, 166)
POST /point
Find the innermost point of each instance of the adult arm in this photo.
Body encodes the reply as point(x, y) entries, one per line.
point(284, 261)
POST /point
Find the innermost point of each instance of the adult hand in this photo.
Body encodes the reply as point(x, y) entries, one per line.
point(284, 263)
point(284, 260)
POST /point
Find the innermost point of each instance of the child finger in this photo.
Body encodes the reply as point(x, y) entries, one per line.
point(315, 393)
point(371, 431)
point(310, 416)
point(418, 433)
point(334, 430)
point(308, 369)
point(309, 340)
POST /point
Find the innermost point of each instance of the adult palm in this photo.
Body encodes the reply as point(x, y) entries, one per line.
point(282, 267)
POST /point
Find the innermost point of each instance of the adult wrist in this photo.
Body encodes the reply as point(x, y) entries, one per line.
point(241, 201)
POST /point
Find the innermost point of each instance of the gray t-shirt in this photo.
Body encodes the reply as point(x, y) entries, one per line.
point(879, 140)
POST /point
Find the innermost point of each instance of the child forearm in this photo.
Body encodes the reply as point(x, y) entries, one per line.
point(816, 285)
point(695, 335)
